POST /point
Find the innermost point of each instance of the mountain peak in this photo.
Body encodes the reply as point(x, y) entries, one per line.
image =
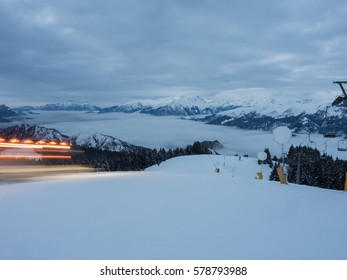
point(33, 132)
point(69, 106)
point(100, 141)
point(6, 112)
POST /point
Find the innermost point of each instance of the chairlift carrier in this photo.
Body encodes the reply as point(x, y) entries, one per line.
point(328, 134)
point(311, 143)
point(342, 145)
point(341, 98)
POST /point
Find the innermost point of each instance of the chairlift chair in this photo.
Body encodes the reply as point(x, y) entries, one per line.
point(341, 99)
point(342, 145)
point(329, 135)
point(327, 123)
point(323, 152)
point(311, 144)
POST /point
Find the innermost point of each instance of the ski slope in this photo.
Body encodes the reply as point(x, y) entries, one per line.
point(181, 209)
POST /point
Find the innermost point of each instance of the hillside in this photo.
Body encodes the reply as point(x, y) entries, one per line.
point(7, 114)
point(35, 133)
point(181, 209)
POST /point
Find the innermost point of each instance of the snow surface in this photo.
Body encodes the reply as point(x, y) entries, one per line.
point(277, 107)
point(181, 209)
point(243, 104)
point(99, 141)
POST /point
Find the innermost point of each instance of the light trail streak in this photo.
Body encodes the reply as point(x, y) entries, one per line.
point(18, 156)
point(19, 173)
point(62, 146)
point(23, 149)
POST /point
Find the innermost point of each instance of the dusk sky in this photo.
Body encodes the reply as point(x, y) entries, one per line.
point(108, 52)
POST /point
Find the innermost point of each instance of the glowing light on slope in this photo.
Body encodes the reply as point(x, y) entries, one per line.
point(19, 156)
point(38, 145)
point(25, 149)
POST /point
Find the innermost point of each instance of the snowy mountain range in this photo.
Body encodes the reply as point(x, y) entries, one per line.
point(83, 140)
point(7, 114)
point(266, 113)
point(35, 133)
point(97, 141)
point(179, 106)
point(64, 106)
point(102, 142)
point(300, 116)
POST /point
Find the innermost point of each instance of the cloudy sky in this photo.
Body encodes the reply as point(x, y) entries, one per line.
point(108, 52)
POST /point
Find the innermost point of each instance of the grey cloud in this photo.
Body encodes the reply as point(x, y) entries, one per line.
point(119, 50)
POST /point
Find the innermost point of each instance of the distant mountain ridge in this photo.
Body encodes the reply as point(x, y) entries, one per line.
point(179, 106)
point(265, 113)
point(298, 115)
point(302, 115)
point(64, 106)
point(102, 142)
point(32, 132)
point(7, 113)
point(96, 140)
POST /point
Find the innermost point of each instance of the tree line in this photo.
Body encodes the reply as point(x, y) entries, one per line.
point(308, 166)
point(136, 159)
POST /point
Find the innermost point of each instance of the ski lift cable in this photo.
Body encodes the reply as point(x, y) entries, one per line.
point(311, 144)
point(227, 169)
point(320, 145)
point(303, 141)
point(215, 166)
point(324, 143)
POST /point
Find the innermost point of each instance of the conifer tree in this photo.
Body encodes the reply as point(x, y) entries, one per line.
point(268, 159)
point(274, 175)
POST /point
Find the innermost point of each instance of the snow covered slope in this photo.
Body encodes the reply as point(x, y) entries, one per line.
point(8, 115)
point(181, 209)
point(33, 132)
point(101, 141)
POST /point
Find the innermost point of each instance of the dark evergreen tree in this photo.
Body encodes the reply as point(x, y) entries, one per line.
point(315, 170)
point(268, 159)
point(276, 159)
point(274, 175)
point(137, 159)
